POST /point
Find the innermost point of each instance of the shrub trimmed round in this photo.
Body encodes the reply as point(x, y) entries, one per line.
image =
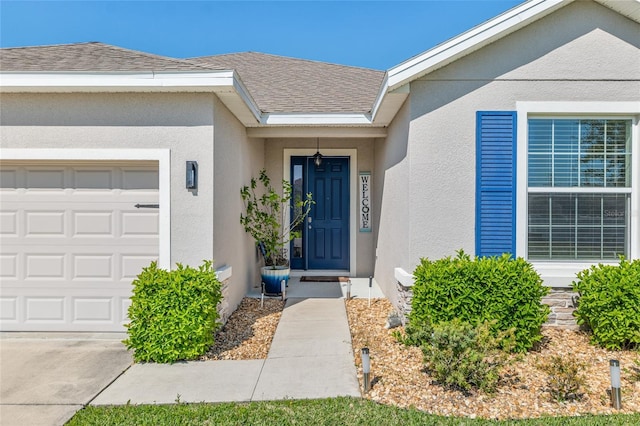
point(609, 303)
point(173, 313)
point(507, 292)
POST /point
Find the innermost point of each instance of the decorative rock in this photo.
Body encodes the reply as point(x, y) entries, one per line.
point(393, 320)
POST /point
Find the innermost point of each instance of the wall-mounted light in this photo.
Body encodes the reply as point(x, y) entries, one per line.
point(366, 369)
point(192, 175)
point(317, 157)
point(616, 394)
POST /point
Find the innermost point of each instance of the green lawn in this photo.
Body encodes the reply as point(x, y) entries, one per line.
point(332, 411)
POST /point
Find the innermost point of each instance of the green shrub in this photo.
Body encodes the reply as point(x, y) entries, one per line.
point(414, 334)
point(462, 356)
point(173, 313)
point(609, 303)
point(499, 289)
point(564, 381)
point(634, 371)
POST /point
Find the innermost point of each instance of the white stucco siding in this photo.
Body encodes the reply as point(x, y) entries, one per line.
point(582, 53)
point(392, 206)
point(181, 123)
point(236, 159)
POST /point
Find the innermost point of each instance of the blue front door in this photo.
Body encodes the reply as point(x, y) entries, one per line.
point(328, 221)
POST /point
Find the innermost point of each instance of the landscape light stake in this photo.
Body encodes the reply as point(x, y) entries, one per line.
point(366, 369)
point(616, 394)
point(370, 284)
point(262, 296)
point(283, 289)
point(348, 289)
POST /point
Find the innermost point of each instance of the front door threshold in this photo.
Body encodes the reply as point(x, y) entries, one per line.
point(320, 272)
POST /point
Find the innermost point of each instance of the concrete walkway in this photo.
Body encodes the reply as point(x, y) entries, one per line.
point(310, 357)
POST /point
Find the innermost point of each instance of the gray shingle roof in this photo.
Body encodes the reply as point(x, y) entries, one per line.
point(91, 56)
point(282, 84)
point(278, 84)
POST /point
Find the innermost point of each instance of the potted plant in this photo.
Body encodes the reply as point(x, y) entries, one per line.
point(264, 218)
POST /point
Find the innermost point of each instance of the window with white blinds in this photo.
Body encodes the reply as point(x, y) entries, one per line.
point(579, 188)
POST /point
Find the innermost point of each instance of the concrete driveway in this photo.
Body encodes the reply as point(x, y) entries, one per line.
point(45, 378)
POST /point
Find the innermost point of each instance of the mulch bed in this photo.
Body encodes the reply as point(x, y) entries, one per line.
point(248, 332)
point(398, 373)
point(399, 378)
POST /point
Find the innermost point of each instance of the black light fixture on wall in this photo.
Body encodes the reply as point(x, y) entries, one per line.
point(317, 157)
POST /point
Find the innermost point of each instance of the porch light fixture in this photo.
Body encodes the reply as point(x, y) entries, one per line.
point(616, 394)
point(317, 157)
point(366, 369)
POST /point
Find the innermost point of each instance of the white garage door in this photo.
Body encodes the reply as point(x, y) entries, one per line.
point(72, 241)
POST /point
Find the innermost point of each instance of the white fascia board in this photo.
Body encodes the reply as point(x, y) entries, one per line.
point(213, 82)
point(243, 93)
point(343, 132)
point(471, 40)
point(384, 88)
point(385, 103)
point(52, 82)
point(286, 119)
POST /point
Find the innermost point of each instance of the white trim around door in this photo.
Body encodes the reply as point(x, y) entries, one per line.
point(353, 189)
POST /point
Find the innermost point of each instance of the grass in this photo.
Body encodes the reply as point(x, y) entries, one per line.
point(331, 411)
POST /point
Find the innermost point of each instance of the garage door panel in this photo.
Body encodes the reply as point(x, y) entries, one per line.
point(132, 264)
point(43, 179)
point(72, 243)
point(54, 312)
point(94, 309)
point(50, 266)
point(92, 179)
point(45, 222)
point(42, 308)
point(139, 223)
point(9, 309)
point(67, 266)
point(8, 222)
point(93, 267)
point(93, 223)
point(8, 178)
point(9, 265)
point(139, 179)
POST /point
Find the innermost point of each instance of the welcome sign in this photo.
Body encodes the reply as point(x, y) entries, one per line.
point(365, 201)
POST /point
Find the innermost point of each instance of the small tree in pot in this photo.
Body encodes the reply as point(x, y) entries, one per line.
point(264, 218)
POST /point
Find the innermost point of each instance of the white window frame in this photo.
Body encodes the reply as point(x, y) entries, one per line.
point(561, 273)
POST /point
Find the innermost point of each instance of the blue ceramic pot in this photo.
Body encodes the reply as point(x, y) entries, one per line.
point(272, 278)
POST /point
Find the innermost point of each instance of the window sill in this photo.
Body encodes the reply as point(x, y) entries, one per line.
point(562, 274)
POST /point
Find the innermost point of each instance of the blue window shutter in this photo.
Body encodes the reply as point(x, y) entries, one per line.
point(495, 183)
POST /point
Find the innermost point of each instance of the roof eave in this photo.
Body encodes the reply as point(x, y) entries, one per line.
point(396, 83)
point(472, 40)
point(226, 84)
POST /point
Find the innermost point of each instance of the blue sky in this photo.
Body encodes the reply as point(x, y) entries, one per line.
point(373, 34)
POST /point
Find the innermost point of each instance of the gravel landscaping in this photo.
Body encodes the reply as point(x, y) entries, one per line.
point(248, 332)
point(399, 379)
